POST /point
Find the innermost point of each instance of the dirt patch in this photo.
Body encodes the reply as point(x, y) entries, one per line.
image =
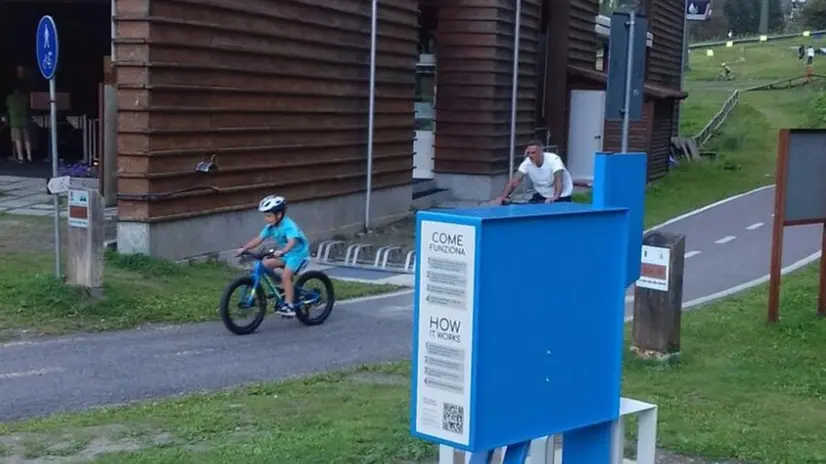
point(36, 233)
point(28, 233)
point(84, 445)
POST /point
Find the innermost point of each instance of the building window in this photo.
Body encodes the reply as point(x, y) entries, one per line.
point(425, 93)
point(602, 54)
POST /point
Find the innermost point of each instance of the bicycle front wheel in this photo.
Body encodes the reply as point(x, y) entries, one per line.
point(238, 300)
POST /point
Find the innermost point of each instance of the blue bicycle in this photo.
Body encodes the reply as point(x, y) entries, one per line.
point(262, 285)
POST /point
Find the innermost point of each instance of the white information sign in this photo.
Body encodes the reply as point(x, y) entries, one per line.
point(446, 295)
point(79, 209)
point(58, 185)
point(654, 270)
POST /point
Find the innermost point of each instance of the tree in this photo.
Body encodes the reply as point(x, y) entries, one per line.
point(814, 14)
point(744, 15)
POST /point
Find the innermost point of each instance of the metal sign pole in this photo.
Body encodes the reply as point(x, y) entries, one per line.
point(629, 72)
point(514, 88)
point(47, 51)
point(53, 147)
point(371, 114)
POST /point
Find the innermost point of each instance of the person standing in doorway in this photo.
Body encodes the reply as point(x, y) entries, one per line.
point(17, 108)
point(810, 55)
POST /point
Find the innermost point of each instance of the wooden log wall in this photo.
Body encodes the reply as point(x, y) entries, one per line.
point(474, 81)
point(276, 89)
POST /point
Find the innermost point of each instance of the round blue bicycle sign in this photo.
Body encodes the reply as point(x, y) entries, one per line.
point(47, 48)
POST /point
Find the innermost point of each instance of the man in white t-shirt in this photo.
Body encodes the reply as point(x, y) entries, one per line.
point(810, 54)
point(547, 172)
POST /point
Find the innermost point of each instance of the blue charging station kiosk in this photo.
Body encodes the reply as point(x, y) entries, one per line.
point(518, 320)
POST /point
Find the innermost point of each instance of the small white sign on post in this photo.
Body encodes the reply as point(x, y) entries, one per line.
point(79, 209)
point(58, 185)
point(654, 270)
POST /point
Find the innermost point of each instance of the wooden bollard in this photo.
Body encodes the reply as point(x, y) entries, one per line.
point(84, 266)
point(658, 297)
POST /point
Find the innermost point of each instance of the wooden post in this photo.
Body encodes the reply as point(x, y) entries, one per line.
point(84, 267)
point(778, 224)
point(658, 296)
point(821, 296)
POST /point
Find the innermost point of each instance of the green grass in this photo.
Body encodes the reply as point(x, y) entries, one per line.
point(744, 390)
point(745, 147)
point(138, 290)
point(357, 416)
point(752, 63)
point(700, 106)
point(746, 142)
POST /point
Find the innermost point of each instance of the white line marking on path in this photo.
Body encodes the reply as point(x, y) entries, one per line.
point(17, 375)
point(186, 353)
point(692, 253)
point(755, 226)
point(708, 207)
point(725, 239)
point(53, 341)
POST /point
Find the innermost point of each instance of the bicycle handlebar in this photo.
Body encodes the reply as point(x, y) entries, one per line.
point(258, 256)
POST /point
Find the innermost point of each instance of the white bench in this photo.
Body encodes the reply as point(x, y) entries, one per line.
point(545, 451)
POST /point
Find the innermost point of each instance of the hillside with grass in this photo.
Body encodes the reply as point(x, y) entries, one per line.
point(745, 144)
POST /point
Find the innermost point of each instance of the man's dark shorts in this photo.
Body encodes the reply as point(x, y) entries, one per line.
point(537, 198)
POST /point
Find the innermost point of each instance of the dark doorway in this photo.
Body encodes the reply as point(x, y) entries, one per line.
point(84, 29)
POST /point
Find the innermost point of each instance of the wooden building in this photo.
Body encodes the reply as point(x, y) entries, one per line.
point(276, 93)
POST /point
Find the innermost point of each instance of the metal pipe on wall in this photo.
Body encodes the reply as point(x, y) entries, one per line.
point(629, 73)
point(683, 61)
point(515, 86)
point(371, 116)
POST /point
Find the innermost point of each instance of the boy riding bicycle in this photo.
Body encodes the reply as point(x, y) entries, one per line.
point(293, 252)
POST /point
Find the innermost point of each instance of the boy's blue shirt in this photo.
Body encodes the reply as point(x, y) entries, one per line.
point(286, 230)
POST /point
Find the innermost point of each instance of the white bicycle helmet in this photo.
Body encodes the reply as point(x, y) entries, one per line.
point(272, 204)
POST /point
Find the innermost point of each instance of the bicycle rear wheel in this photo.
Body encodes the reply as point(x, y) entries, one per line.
point(314, 290)
point(241, 287)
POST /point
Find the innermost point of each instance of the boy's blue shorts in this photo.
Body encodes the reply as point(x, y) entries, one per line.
point(296, 261)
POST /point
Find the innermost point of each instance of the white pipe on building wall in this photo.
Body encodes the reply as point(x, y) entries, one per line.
point(371, 112)
point(515, 85)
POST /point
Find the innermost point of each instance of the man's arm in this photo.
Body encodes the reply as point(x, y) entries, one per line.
point(289, 246)
point(251, 244)
point(558, 184)
point(558, 169)
point(512, 184)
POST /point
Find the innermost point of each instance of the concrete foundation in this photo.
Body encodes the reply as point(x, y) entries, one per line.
point(472, 187)
point(215, 233)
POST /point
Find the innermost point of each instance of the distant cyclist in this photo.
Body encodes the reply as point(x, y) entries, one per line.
point(547, 172)
point(726, 72)
point(294, 248)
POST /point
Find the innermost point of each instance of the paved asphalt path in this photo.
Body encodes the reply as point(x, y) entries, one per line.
point(729, 246)
point(43, 377)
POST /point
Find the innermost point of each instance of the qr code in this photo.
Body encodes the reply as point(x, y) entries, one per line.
point(453, 418)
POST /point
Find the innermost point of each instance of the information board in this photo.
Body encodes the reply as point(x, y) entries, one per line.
point(804, 185)
point(445, 344)
point(79, 209)
point(654, 269)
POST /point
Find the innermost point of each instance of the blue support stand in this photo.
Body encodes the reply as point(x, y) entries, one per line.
point(619, 182)
point(588, 445)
